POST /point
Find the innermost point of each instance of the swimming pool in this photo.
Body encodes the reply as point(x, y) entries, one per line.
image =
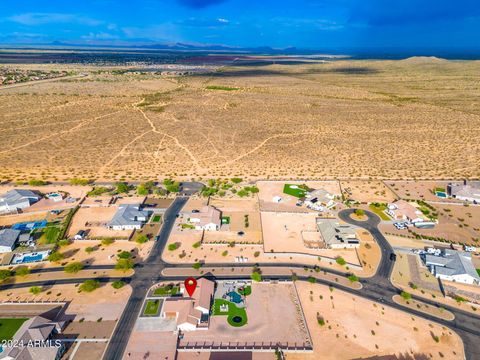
point(441, 194)
point(28, 258)
point(235, 297)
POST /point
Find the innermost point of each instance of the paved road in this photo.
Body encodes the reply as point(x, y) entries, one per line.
point(377, 288)
point(145, 276)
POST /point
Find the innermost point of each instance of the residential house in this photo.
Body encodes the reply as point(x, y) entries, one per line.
point(403, 210)
point(452, 265)
point(8, 239)
point(319, 200)
point(17, 200)
point(466, 191)
point(208, 218)
point(336, 235)
point(191, 313)
point(128, 217)
point(34, 339)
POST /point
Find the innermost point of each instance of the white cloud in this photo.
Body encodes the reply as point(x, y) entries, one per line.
point(32, 19)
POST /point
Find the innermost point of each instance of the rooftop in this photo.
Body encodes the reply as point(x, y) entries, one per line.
point(451, 262)
point(334, 233)
point(8, 237)
point(129, 214)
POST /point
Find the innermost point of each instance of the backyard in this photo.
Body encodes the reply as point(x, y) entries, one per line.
point(236, 316)
point(298, 191)
point(8, 327)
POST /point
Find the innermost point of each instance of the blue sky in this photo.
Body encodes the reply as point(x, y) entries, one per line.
point(313, 24)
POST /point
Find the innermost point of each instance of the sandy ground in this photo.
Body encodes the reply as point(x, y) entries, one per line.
point(424, 307)
point(272, 314)
point(422, 190)
point(365, 328)
point(285, 233)
point(283, 122)
point(366, 191)
point(102, 200)
point(7, 220)
point(270, 189)
point(225, 355)
point(97, 218)
point(105, 302)
point(215, 253)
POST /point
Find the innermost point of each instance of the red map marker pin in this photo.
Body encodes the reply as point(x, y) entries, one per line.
point(190, 285)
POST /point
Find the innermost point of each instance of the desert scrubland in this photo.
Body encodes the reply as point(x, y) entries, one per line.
point(414, 118)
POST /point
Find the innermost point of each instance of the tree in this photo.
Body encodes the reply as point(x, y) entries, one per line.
point(118, 284)
point(107, 241)
point(122, 188)
point(125, 255)
point(35, 290)
point(79, 182)
point(89, 285)
point(141, 239)
point(55, 257)
point(173, 188)
point(22, 271)
point(5, 274)
point(36, 182)
point(73, 267)
point(197, 265)
point(236, 180)
point(353, 278)
point(124, 265)
point(359, 212)
point(173, 246)
point(340, 261)
point(256, 276)
point(405, 295)
point(89, 249)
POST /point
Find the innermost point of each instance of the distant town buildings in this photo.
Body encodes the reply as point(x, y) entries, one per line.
point(208, 218)
point(466, 191)
point(17, 200)
point(336, 235)
point(128, 217)
point(452, 265)
point(191, 313)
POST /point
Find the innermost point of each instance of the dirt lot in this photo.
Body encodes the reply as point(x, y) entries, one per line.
point(270, 189)
point(272, 317)
point(285, 233)
point(105, 302)
point(367, 329)
point(284, 122)
point(366, 191)
point(422, 190)
point(96, 218)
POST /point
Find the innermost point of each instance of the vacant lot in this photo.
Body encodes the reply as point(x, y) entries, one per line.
point(95, 219)
point(366, 329)
point(367, 191)
point(410, 118)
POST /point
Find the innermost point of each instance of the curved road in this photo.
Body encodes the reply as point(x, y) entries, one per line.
point(376, 288)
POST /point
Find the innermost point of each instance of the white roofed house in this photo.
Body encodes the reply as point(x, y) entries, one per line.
point(128, 217)
point(337, 235)
point(452, 265)
point(403, 210)
point(8, 239)
point(319, 200)
point(209, 219)
point(17, 200)
point(467, 191)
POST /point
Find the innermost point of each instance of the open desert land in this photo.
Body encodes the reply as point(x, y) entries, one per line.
point(367, 191)
point(414, 118)
point(420, 190)
point(271, 189)
point(368, 329)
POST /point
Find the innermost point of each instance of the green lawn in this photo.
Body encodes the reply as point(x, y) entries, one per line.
point(233, 311)
point(378, 209)
point(156, 218)
point(152, 307)
point(50, 235)
point(8, 327)
point(226, 220)
point(440, 189)
point(298, 191)
point(247, 291)
point(478, 272)
point(166, 290)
